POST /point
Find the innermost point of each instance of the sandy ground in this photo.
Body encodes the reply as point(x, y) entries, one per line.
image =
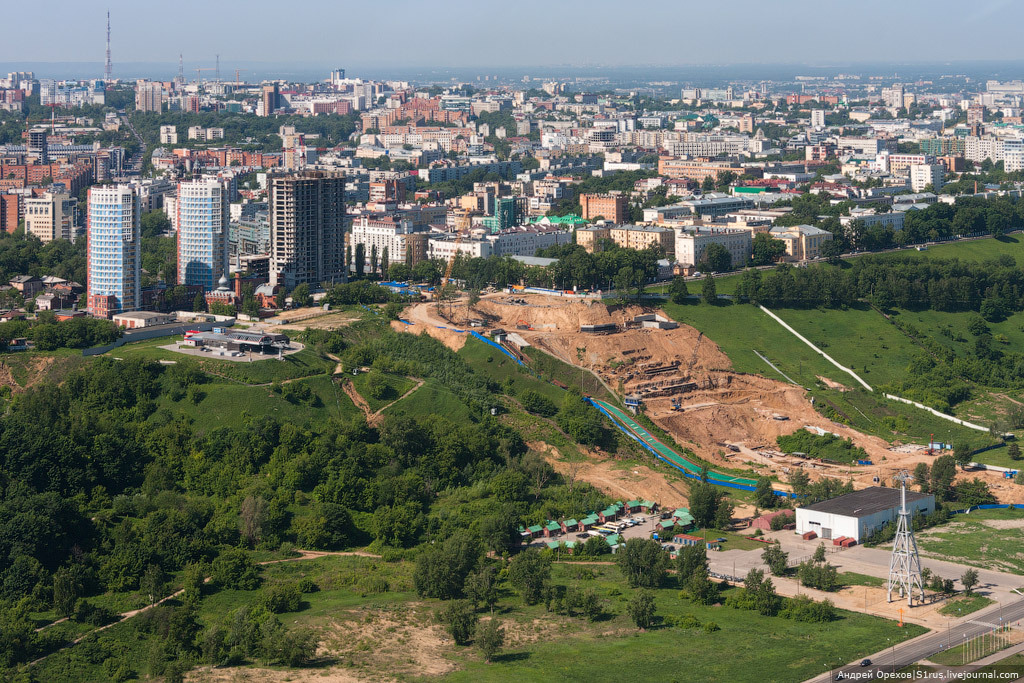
point(723, 407)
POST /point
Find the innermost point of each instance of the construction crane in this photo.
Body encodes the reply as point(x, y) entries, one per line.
point(237, 82)
point(202, 68)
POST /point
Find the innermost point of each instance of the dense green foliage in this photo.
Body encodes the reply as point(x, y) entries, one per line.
point(824, 447)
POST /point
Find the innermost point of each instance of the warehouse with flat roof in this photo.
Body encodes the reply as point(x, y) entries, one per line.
point(859, 514)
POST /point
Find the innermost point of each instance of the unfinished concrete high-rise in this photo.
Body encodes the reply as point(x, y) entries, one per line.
point(307, 228)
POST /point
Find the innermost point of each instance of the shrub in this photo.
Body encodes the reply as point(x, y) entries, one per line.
point(282, 598)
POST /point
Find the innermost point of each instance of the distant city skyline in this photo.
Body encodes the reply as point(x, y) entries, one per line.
point(462, 34)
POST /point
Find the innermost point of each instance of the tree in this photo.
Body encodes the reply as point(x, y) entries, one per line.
point(708, 290)
point(766, 250)
point(481, 587)
point(819, 553)
point(360, 259)
point(922, 476)
point(642, 562)
point(703, 503)
point(678, 291)
point(723, 512)
point(701, 589)
point(943, 473)
point(761, 593)
point(969, 580)
point(962, 453)
point(373, 259)
point(199, 303)
point(764, 497)
point(1013, 451)
point(832, 250)
point(690, 559)
point(716, 258)
point(152, 583)
point(490, 637)
point(459, 620)
point(441, 570)
point(301, 296)
point(528, 573)
point(385, 260)
point(641, 609)
point(776, 558)
point(66, 590)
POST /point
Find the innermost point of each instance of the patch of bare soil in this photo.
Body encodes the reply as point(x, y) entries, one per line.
point(608, 475)
point(380, 645)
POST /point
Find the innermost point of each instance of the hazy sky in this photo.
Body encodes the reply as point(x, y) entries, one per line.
point(402, 33)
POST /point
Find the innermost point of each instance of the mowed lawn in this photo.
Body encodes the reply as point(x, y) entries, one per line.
point(859, 338)
point(975, 250)
point(990, 539)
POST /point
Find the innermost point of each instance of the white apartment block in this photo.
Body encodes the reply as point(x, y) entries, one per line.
point(892, 220)
point(168, 135)
point(817, 118)
point(526, 241)
point(445, 248)
point(923, 175)
point(205, 134)
point(691, 244)
point(383, 233)
point(51, 216)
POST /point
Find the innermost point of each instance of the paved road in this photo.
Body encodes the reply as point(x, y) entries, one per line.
point(922, 647)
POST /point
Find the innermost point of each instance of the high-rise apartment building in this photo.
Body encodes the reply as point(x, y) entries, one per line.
point(203, 215)
point(38, 146)
point(149, 96)
point(270, 99)
point(168, 135)
point(51, 216)
point(114, 251)
point(307, 228)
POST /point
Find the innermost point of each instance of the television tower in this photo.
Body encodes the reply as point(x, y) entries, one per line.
point(181, 71)
point(905, 565)
point(217, 70)
point(108, 74)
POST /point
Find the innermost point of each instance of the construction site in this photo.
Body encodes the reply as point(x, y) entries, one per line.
point(681, 380)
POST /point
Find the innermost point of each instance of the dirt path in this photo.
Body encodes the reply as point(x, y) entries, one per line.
point(419, 383)
point(357, 398)
point(302, 555)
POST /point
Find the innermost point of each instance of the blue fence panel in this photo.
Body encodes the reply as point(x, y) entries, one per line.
point(496, 345)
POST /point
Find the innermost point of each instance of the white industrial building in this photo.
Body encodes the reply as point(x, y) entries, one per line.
point(859, 514)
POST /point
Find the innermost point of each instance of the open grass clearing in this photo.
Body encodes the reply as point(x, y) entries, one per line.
point(965, 605)
point(989, 539)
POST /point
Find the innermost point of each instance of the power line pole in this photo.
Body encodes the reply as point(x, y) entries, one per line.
point(905, 564)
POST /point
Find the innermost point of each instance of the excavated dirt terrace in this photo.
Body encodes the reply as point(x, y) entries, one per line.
point(686, 383)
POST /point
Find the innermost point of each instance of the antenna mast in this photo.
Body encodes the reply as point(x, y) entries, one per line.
point(905, 565)
point(181, 70)
point(109, 73)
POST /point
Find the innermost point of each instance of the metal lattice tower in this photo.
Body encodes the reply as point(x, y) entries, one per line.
point(905, 565)
point(108, 73)
point(181, 70)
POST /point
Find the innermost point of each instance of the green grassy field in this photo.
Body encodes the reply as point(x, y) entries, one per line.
point(981, 647)
point(397, 385)
point(966, 605)
point(551, 368)
point(433, 398)
point(856, 579)
point(975, 250)
point(225, 403)
point(990, 539)
point(497, 366)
